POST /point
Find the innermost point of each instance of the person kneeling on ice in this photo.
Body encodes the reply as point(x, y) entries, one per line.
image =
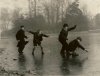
point(73, 45)
point(37, 39)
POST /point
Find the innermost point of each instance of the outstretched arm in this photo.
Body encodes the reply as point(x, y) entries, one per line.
point(80, 46)
point(72, 28)
point(45, 35)
point(24, 35)
point(31, 32)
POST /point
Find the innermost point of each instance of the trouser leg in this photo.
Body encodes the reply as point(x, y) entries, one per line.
point(62, 52)
point(67, 51)
point(62, 49)
point(20, 49)
point(41, 49)
point(20, 46)
point(33, 50)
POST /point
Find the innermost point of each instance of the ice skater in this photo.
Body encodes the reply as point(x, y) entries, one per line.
point(20, 36)
point(37, 39)
point(63, 38)
point(73, 45)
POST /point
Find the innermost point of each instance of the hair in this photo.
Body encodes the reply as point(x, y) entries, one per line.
point(21, 26)
point(65, 25)
point(38, 30)
point(79, 38)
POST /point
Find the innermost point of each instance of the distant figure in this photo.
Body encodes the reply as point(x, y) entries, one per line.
point(20, 36)
point(63, 37)
point(75, 44)
point(37, 39)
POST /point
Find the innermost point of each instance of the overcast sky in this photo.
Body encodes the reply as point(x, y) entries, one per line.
point(11, 4)
point(93, 6)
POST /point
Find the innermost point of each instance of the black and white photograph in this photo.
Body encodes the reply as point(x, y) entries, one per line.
point(49, 37)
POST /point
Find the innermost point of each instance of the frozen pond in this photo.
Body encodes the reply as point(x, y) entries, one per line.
point(51, 64)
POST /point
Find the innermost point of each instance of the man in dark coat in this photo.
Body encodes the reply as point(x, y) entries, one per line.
point(63, 37)
point(37, 39)
point(20, 36)
point(73, 45)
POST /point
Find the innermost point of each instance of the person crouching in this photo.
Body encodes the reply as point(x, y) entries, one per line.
point(73, 45)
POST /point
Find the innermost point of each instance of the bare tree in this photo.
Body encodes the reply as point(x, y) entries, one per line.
point(35, 8)
point(32, 8)
point(5, 19)
point(55, 10)
point(47, 12)
point(16, 14)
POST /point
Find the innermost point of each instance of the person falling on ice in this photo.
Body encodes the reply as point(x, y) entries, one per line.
point(73, 45)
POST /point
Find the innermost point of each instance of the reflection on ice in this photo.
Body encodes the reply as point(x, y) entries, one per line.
point(52, 63)
point(21, 62)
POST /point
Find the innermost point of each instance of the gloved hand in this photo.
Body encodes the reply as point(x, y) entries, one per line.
point(85, 50)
